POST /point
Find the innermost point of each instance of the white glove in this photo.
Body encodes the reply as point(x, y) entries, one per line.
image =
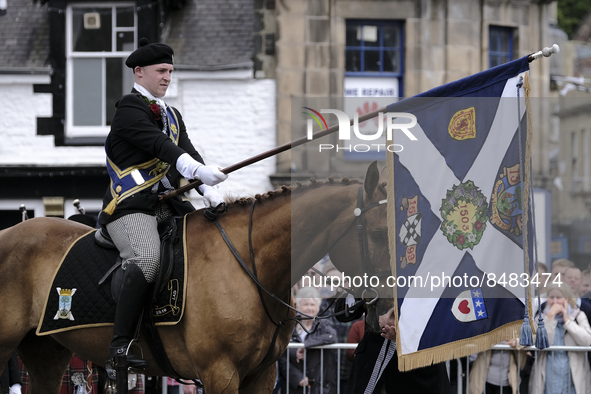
point(15, 389)
point(210, 175)
point(211, 196)
point(190, 168)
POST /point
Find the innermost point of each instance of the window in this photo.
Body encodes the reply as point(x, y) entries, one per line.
point(374, 68)
point(500, 49)
point(99, 39)
point(373, 47)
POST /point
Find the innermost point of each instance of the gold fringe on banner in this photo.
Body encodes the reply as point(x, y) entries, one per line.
point(457, 349)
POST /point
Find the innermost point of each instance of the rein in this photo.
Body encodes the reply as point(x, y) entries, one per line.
point(366, 262)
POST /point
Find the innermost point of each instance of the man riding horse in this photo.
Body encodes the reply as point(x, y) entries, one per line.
point(148, 150)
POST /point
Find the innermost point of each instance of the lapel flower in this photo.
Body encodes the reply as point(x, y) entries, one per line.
point(154, 107)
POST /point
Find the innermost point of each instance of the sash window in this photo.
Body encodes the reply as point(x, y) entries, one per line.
point(99, 37)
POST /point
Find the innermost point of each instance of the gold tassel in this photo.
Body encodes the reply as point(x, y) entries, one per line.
point(527, 182)
point(111, 207)
point(526, 85)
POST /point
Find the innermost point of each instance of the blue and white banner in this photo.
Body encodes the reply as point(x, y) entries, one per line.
point(457, 201)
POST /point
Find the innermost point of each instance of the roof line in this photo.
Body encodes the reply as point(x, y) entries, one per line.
point(27, 70)
point(220, 67)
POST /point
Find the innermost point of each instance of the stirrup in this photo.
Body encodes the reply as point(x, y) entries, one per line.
point(110, 364)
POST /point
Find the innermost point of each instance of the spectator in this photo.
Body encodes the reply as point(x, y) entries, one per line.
point(308, 302)
point(342, 328)
point(192, 389)
point(585, 286)
point(329, 271)
point(542, 278)
point(540, 284)
point(497, 370)
point(10, 380)
point(173, 386)
point(24, 375)
point(355, 336)
point(572, 276)
point(310, 278)
point(76, 378)
point(558, 268)
point(560, 371)
point(375, 365)
point(543, 282)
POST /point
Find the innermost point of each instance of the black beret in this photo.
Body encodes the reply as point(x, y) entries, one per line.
point(148, 54)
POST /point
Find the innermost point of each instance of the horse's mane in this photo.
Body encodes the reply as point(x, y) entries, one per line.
point(294, 188)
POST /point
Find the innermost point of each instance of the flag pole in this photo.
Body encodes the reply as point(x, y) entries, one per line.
point(272, 152)
point(546, 52)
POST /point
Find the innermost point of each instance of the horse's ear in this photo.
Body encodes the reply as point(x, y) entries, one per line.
point(372, 178)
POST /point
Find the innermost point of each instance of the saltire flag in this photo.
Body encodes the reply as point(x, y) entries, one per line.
point(460, 212)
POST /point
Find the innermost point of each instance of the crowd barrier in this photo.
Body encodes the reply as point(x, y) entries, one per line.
point(461, 380)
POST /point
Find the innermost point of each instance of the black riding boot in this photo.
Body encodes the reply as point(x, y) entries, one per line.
point(129, 309)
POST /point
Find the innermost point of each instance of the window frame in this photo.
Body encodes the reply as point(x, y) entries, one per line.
point(380, 24)
point(496, 54)
point(72, 131)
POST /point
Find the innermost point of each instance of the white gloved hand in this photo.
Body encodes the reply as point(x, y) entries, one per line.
point(210, 174)
point(211, 196)
point(15, 389)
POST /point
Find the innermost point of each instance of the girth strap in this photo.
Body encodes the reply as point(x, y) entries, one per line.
point(158, 351)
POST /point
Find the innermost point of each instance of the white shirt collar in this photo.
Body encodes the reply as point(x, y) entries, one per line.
point(145, 92)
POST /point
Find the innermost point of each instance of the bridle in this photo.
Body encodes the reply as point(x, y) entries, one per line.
point(359, 213)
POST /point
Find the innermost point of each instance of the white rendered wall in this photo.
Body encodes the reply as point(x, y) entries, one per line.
point(18, 128)
point(229, 116)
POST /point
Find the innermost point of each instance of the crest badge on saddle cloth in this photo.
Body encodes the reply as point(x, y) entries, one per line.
point(81, 270)
point(64, 311)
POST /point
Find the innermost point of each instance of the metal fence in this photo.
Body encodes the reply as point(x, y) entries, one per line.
point(461, 379)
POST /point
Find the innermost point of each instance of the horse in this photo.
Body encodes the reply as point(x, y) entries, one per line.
point(225, 337)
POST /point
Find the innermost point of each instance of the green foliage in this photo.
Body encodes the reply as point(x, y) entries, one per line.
point(571, 13)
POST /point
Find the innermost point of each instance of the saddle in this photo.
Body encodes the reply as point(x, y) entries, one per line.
point(167, 230)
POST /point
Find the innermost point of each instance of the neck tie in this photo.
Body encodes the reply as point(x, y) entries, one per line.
point(164, 117)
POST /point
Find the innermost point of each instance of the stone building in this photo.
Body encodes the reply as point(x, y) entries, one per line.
point(242, 66)
point(323, 47)
point(61, 71)
point(570, 162)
